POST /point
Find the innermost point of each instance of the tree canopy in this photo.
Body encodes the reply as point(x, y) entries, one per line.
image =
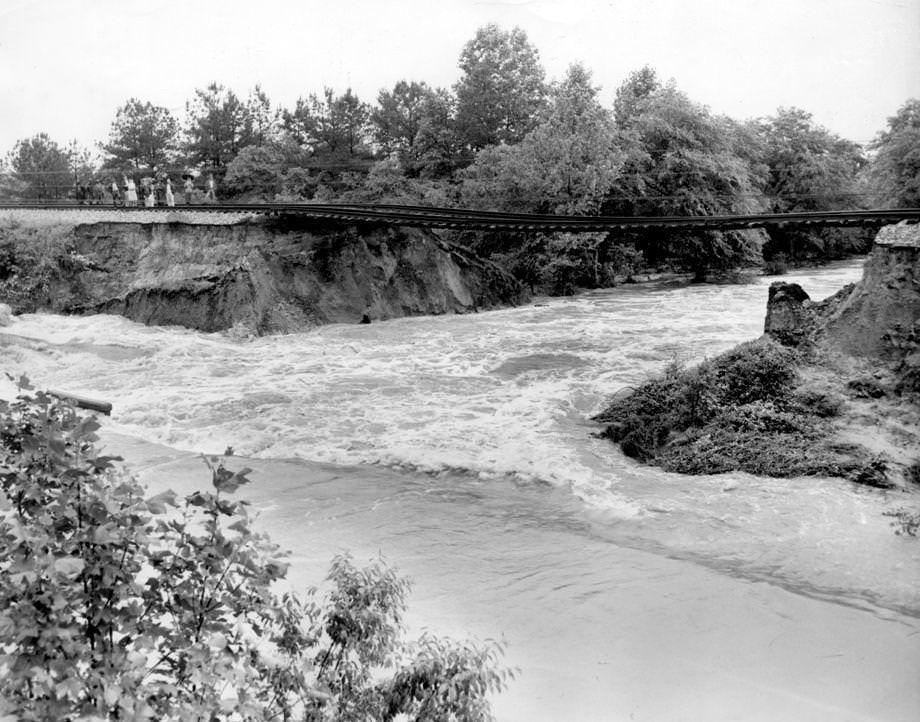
point(895, 169)
point(566, 164)
point(809, 168)
point(501, 88)
point(42, 167)
point(330, 125)
point(217, 126)
point(143, 136)
point(681, 161)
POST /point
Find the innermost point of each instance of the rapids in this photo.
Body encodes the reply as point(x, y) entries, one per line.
point(444, 435)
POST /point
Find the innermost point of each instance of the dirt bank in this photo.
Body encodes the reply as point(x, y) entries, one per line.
point(259, 275)
point(832, 388)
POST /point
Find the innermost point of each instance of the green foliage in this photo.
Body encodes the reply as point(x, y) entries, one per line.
point(217, 126)
point(386, 182)
point(262, 120)
point(415, 125)
point(330, 125)
point(808, 168)
point(117, 605)
point(270, 170)
point(41, 167)
point(894, 172)
point(501, 89)
point(681, 160)
point(683, 399)
point(632, 93)
point(398, 121)
point(143, 136)
point(567, 164)
point(35, 265)
point(740, 411)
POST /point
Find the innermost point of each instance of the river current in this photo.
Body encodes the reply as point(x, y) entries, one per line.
point(447, 431)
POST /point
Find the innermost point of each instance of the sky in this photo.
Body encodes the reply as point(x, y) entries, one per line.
point(66, 66)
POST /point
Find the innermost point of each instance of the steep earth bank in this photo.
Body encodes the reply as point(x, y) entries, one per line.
point(262, 276)
point(832, 388)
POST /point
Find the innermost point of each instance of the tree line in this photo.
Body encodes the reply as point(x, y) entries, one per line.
point(505, 138)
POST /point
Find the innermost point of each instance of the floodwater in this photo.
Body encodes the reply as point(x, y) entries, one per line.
point(460, 448)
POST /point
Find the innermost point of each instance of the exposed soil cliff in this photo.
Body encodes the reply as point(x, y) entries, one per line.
point(269, 275)
point(832, 388)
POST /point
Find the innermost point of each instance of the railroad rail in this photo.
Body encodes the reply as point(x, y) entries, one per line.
point(423, 216)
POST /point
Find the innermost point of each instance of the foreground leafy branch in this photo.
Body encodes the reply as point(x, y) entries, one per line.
point(117, 605)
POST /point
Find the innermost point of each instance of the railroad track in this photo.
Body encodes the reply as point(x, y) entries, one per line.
point(408, 215)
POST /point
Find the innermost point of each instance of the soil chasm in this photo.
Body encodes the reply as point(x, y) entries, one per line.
point(262, 275)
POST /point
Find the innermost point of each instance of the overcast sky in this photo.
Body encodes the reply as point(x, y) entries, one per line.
point(67, 65)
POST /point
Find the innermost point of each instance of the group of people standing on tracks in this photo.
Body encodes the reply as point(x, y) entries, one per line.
point(151, 191)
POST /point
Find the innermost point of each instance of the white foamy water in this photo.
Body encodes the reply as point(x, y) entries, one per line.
point(503, 398)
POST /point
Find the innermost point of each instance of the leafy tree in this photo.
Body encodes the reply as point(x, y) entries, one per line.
point(398, 116)
point(415, 124)
point(808, 168)
point(630, 96)
point(894, 172)
point(330, 125)
point(501, 88)
point(217, 127)
point(117, 605)
point(262, 170)
point(261, 120)
point(438, 147)
point(681, 160)
point(142, 136)
point(567, 164)
point(81, 164)
point(257, 170)
point(10, 185)
point(42, 167)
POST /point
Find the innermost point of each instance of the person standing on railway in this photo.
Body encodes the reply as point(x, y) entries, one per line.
point(210, 196)
point(98, 193)
point(150, 199)
point(114, 192)
point(170, 198)
point(189, 189)
point(130, 192)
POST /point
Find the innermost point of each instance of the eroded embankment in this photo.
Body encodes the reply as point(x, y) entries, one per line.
point(261, 275)
point(832, 388)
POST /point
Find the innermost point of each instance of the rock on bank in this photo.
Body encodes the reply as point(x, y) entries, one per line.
point(267, 275)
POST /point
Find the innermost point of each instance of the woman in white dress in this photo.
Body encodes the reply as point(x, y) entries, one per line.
point(130, 192)
point(170, 198)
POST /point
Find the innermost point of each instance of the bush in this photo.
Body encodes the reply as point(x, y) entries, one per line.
point(760, 370)
point(681, 399)
point(119, 605)
point(35, 265)
point(742, 411)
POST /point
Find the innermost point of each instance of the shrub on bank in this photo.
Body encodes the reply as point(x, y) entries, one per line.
point(33, 266)
point(743, 410)
point(119, 605)
point(683, 400)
